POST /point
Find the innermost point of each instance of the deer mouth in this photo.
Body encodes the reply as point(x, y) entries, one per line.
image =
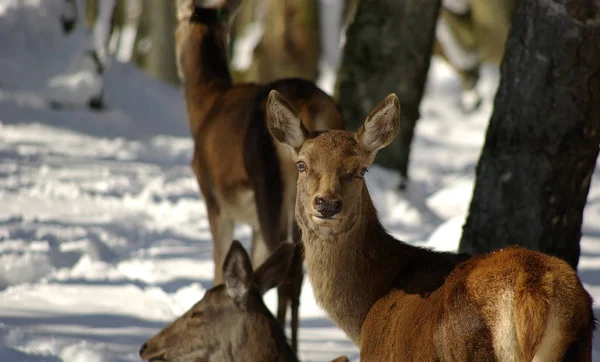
point(153, 356)
point(321, 219)
point(158, 358)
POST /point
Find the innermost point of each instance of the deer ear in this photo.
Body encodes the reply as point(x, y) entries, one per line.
point(284, 122)
point(380, 127)
point(237, 271)
point(274, 270)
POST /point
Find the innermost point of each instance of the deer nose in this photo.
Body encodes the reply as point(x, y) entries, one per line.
point(143, 348)
point(328, 207)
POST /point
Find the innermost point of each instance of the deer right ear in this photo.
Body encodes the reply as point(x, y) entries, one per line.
point(283, 121)
point(274, 270)
point(380, 127)
point(237, 271)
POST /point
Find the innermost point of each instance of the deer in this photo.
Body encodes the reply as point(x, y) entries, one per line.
point(399, 302)
point(231, 323)
point(468, 33)
point(244, 176)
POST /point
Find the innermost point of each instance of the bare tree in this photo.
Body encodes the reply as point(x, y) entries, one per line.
point(541, 146)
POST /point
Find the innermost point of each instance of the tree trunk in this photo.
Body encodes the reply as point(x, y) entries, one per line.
point(289, 46)
point(534, 173)
point(388, 49)
point(91, 11)
point(155, 46)
point(183, 11)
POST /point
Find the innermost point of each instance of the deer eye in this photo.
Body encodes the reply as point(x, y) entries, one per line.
point(197, 315)
point(362, 173)
point(301, 166)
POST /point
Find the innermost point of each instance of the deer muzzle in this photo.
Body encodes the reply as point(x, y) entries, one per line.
point(327, 207)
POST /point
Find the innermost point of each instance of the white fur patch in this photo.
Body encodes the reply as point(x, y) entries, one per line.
point(551, 347)
point(288, 122)
point(505, 340)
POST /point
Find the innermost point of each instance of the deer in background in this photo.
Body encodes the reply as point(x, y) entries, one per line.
point(468, 33)
point(399, 302)
point(244, 176)
point(231, 323)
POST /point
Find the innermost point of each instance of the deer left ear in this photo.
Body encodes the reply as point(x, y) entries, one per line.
point(237, 271)
point(283, 121)
point(380, 127)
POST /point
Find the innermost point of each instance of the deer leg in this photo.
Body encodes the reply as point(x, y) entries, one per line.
point(296, 275)
point(221, 228)
point(259, 250)
point(283, 298)
point(458, 44)
point(289, 293)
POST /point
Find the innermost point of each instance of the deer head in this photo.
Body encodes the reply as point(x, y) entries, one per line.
point(332, 164)
point(229, 318)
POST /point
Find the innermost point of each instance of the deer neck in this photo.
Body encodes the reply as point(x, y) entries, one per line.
point(205, 64)
point(265, 342)
point(351, 270)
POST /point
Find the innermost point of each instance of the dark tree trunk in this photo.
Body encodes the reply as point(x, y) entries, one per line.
point(541, 146)
point(388, 49)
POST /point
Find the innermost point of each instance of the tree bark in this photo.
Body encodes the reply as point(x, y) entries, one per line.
point(155, 46)
point(290, 45)
point(388, 49)
point(541, 145)
point(183, 11)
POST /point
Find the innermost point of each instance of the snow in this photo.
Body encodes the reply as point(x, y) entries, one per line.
point(103, 236)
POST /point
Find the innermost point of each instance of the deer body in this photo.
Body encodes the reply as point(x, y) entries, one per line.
point(243, 175)
point(399, 302)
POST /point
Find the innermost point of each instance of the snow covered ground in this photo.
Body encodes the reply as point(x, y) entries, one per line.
point(104, 238)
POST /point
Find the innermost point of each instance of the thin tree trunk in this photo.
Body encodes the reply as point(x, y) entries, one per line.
point(91, 11)
point(183, 11)
point(541, 146)
point(388, 49)
point(131, 11)
point(156, 40)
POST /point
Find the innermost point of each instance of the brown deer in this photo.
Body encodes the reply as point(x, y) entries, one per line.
point(399, 302)
point(230, 323)
point(468, 33)
point(244, 176)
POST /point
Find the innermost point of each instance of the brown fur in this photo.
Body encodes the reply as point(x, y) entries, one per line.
point(398, 302)
point(243, 175)
point(231, 322)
